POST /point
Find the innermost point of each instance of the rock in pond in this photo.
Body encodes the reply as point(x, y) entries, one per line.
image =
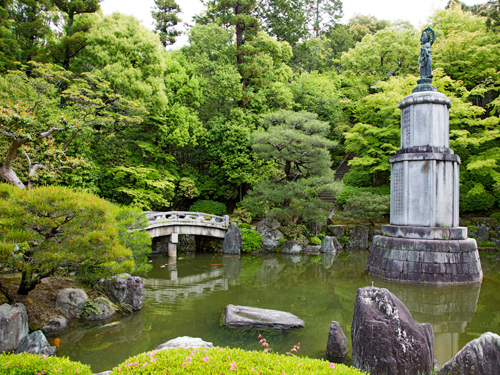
point(70, 302)
point(330, 245)
point(269, 230)
point(13, 326)
point(479, 357)
point(385, 338)
point(292, 247)
point(185, 342)
point(245, 317)
point(233, 241)
point(36, 343)
point(102, 308)
point(123, 289)
point(336, 347)
point(55, 324)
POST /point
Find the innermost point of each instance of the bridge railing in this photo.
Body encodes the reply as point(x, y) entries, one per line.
point(156, 218)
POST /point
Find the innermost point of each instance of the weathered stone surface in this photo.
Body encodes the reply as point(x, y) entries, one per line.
point(70, 302)
point(292, 247)
point(330, 245)
point(36, 343)
point(429, 261)
point(385, 338)
point(105, 307)
point(55, 324)
point(185, 342)
point(336, 347)
point(13, 326)
point(358, 237)
point(338, 231)
point(123, 289)
point(482, 233)
point(269, 230)
point(233, 242)
point(254, 318)
point(479, 357)
point(104, 373)
point(425, 233)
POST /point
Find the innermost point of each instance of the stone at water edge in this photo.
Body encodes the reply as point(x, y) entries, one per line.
point(105, 307)
point(55, 324)
point(13, 326)
point(185, 342)
point(36, 343)
point(385, 338)
point(246, 317)
point(292, 247)
point(233, 241)
point(123, 289)
point(330, 245)
point(269, 231)
point(478, 357)
point(336, 347)
point(70, 302)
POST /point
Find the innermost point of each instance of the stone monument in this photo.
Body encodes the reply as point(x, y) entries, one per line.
point(424, 242)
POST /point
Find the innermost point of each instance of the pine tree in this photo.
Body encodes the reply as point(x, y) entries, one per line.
point(165, 13)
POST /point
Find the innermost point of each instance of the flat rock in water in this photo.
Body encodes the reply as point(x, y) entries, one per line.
point(245, 317)
point(185, 342)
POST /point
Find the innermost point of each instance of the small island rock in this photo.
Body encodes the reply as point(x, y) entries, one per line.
point(13, 326)
point(254, 318)
point(70, 302)
point(185, 342)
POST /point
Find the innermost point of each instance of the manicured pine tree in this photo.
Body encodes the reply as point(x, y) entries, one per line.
point(165, 14)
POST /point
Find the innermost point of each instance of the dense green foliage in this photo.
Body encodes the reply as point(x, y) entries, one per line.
point(29, 364)
point(208, 207)
point(219, 361)
point(252, 240)
point(106, 108)
point(52, 229)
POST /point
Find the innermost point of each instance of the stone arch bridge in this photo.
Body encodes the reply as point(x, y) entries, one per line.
point(166, 227)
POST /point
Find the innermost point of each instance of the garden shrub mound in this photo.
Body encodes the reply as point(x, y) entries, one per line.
point(29, 364)
point(225, 361)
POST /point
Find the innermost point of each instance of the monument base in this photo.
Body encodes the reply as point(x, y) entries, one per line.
point(424, 84)
point(429, 261)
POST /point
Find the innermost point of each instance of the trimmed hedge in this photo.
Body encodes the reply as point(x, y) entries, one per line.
point(209, 207)
point(252, 240)
point(225, 361)
point(33, 364)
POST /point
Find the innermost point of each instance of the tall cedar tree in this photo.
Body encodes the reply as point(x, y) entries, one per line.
point(165, 14)
point(9, 48)
point(323, 14)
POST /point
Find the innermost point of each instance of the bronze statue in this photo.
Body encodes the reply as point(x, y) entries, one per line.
point(425, 58)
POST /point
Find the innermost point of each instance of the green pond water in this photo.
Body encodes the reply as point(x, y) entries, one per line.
point(188, 297)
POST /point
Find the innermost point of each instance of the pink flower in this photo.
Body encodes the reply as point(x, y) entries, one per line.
point(188, 359)
point(206, 358)
point(233, 366)
point(145, 364)
point(332, 365)
point(152, 359)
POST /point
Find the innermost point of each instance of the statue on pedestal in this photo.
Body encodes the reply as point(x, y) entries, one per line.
point(425, 61)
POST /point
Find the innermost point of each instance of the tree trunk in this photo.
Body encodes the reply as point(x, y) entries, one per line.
point(10, 176)
point(27, 283)
point(6, 292)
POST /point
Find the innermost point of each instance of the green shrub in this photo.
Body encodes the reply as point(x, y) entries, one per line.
point(364, 206)
point(244, 226)
point(321, 236)
point(496, 216)
point(344, 240)
point(486, 244)
point(476, 199)
point(241, 215)
point(281, 241)
point(350, 191)
point(225, 361)
point(32, 364)
point(358, 176)
point(252, 240)
point(315, 241)
point(208, 207)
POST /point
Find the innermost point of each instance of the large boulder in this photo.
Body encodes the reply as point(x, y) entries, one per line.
point(100, 308)
point(330, 245)
point(70, 302)
point(254, 318)
point(233, 241)
point(185, 342)
point(385, 338)
point(123, 289)
point(479, 357)
point(55, 324)
point(292, 247)
point(36, 343)
point(358, 237)
point(338, 230)
point(336, 347)
point(269, 231)
point(13, 326)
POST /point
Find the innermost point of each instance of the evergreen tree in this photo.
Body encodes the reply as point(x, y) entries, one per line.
point(165, 14)
point(9, 48)
point(323, 14)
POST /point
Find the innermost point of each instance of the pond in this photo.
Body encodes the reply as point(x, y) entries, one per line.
point(187, 297)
